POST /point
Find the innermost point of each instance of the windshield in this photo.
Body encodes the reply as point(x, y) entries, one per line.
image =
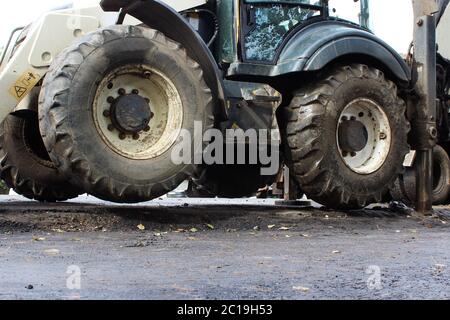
point(308, 2)
point(268, 22)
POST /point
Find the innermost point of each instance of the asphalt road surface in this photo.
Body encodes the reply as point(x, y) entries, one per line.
point(216, 249)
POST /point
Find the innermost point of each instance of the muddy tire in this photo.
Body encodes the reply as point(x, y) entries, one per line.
point(229, 181)
point(117, 152)
point(404, 189)
point(347, 136)
point(25, 165)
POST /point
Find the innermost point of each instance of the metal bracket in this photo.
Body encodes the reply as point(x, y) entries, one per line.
point(424, 124)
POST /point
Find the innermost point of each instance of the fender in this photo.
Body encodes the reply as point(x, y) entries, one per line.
point(315, 45)
point(160, 16)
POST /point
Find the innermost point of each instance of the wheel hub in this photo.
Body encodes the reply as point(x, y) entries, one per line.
point(353, 136)
point(138, 111)
point(364, 136)
point(131, 113)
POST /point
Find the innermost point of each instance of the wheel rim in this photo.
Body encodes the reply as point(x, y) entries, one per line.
point(364, 136)
point(138, 112)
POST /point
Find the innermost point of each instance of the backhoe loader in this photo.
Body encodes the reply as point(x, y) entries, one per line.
point(101, 107)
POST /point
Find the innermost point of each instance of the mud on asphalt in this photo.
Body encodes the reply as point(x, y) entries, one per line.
point(24, 217)
point(177, 250)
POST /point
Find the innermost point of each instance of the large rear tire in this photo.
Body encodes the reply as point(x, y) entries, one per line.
point(115, 105)
point(25, 165)
point(347, 135)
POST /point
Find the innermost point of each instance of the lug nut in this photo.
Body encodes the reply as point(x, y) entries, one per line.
point(136, 136)
point(135, 91)
point(383, 136)
point(147, 74)
point(122, 91)
point(344, 118)
point(110, 127)
point(353, 118)
point(147, 100)
point(152, 115)
point(353, 154)
point(344, 154)
point(110, 100)
point(147, 129)
point(106, 113)
point(122, 136)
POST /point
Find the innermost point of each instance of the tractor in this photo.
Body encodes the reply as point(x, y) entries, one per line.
point(98, 101)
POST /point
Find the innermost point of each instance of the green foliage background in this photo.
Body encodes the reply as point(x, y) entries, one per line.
point(3, 188)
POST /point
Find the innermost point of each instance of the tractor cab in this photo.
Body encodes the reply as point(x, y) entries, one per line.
point(262, 38)
point(260, 27)
point(256, 30)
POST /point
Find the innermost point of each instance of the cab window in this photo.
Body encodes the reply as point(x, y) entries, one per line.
point(266, 24)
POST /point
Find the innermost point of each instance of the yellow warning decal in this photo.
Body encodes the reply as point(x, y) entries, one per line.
point(22, 86)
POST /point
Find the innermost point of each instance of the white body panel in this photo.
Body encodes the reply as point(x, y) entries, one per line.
point(47, 37)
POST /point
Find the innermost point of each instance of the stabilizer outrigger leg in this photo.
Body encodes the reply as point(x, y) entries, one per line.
point(424, 125)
